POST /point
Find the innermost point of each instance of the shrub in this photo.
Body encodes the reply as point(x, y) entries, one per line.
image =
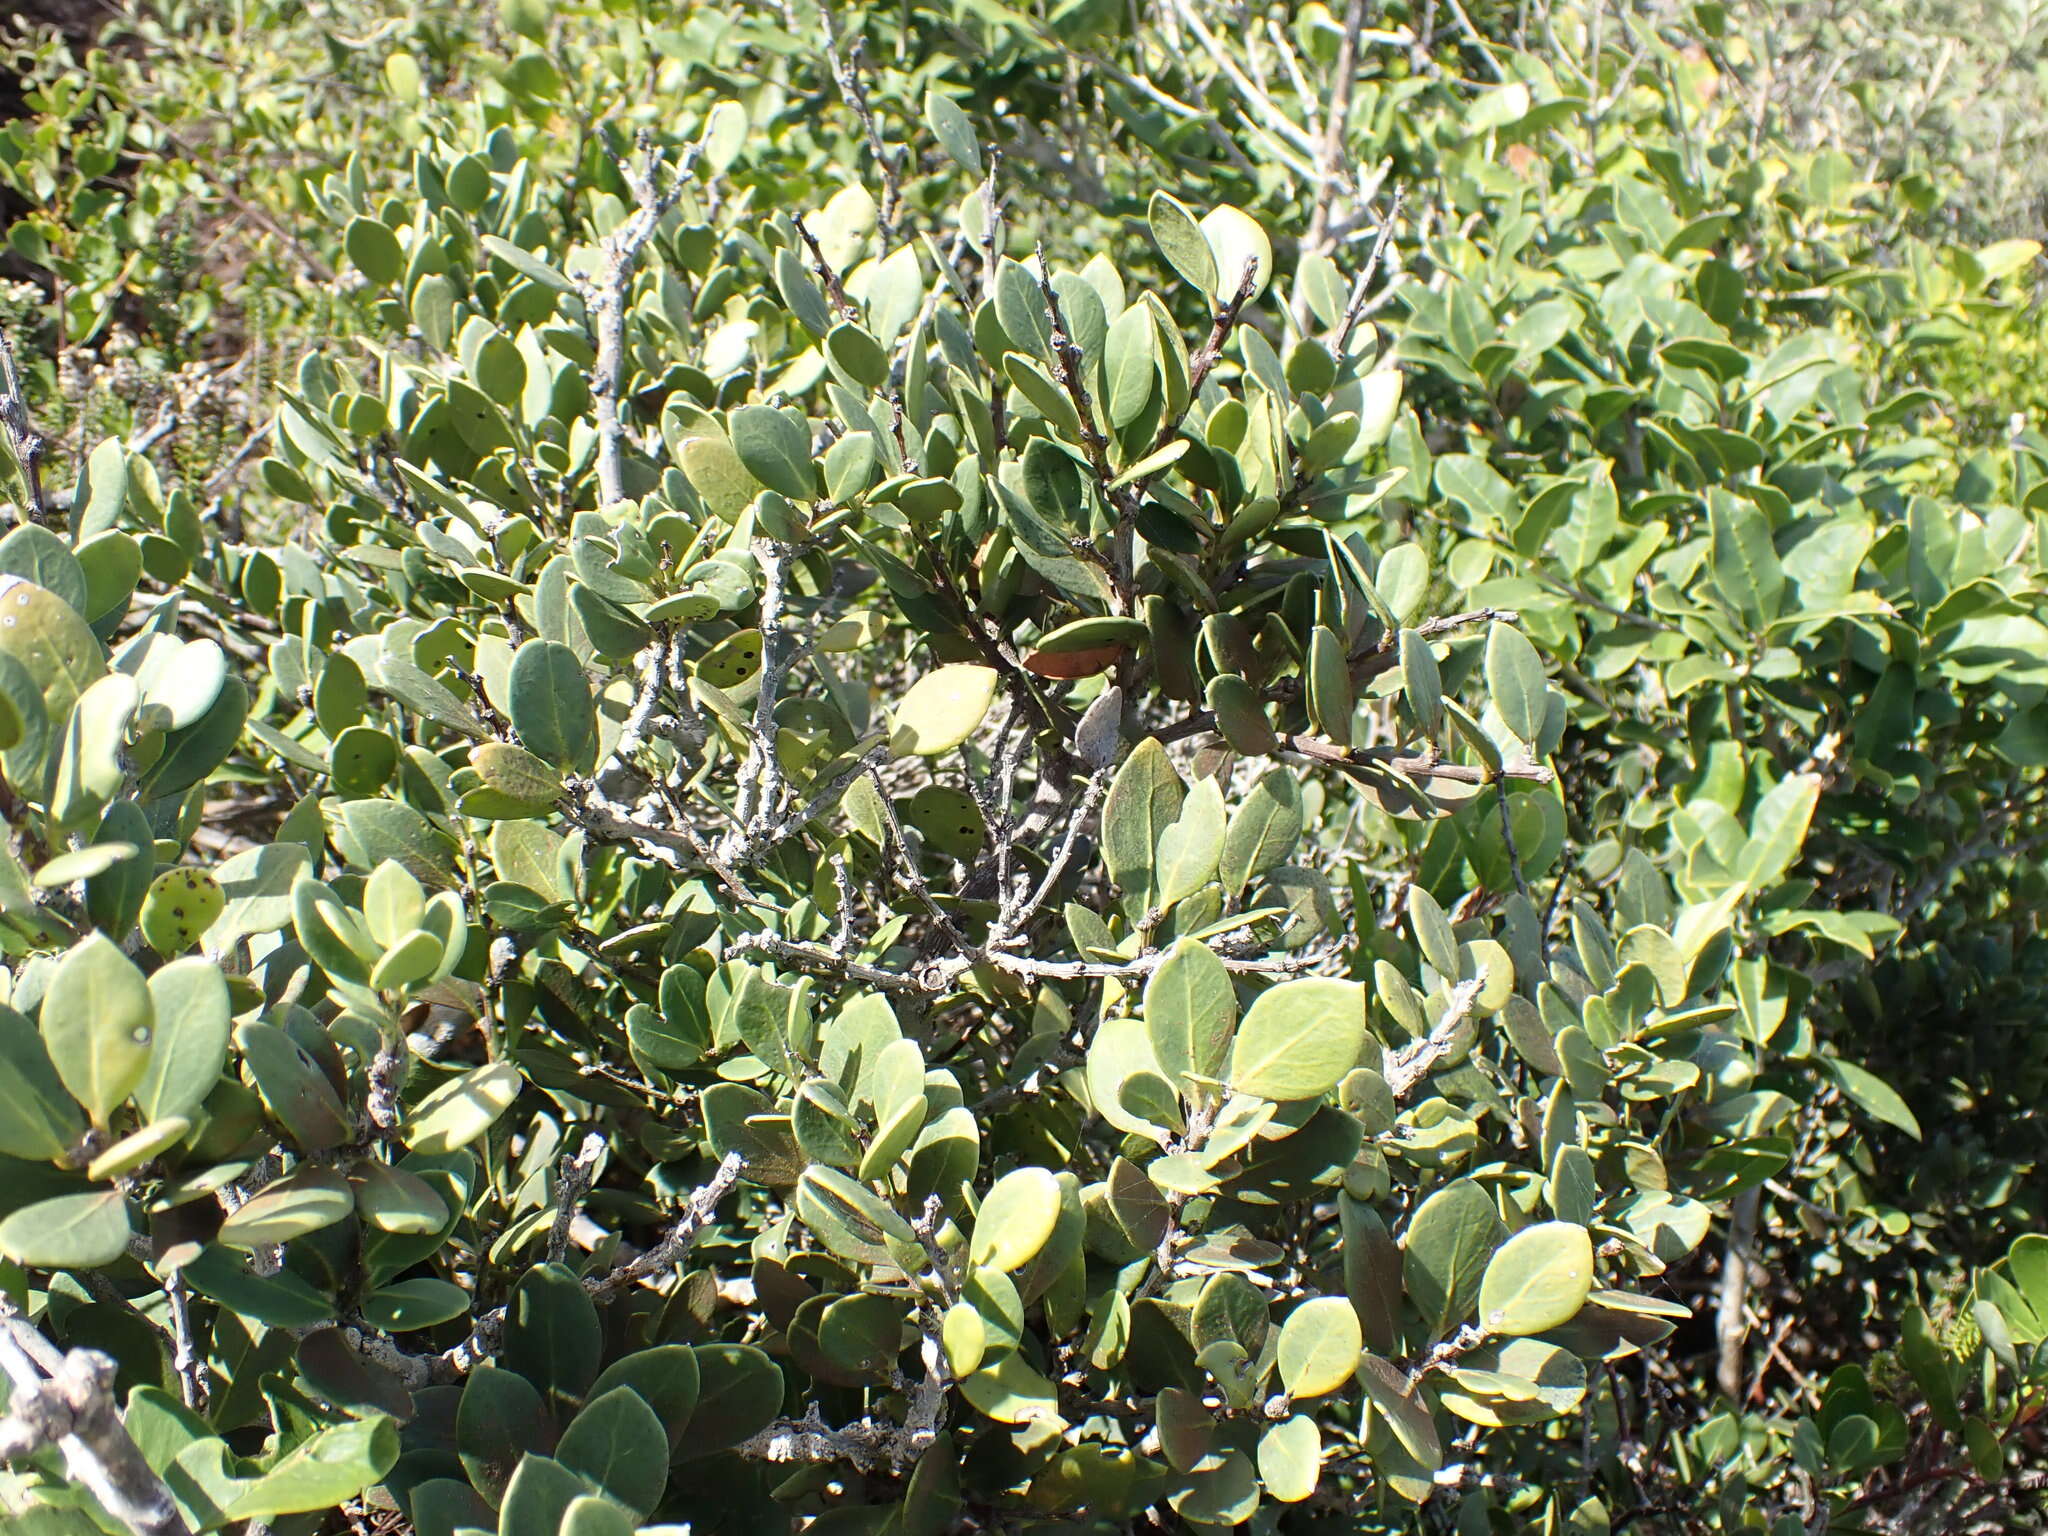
point(819, 838)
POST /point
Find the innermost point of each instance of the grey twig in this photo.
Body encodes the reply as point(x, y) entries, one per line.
point(1414, 1062)
point(760, 779)
point(1731, 1309)
point(186, 1363)
point(1334, 126)
point(867, 1444)
point(23, 441)
point(67, 1400)
point(574, 1182)
point(698, 1212)
point(808, 957)
point(1471, 1336)
point(846, 71)
point(1357, 308)
point(385, 1071)
point(607, 297)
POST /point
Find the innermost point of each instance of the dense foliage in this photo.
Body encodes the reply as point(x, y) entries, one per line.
point(952, 768)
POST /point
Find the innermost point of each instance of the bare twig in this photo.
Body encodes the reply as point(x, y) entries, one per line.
point(939, 975)
point(385, 1070)
point(867, 1444)
point(1731, 1311)
point(1472, 35)
point(760, 779)
point(186, 1363)
point(1068, 360)
point(1356, 309)
point(68, 1400)
point(608, 296)
point(571, 1186)
point(23, 441)
point(835, 290)
point(1415, 1061)
point(1334, 126)
point(1212, 349)
point(698, 1211)
point(846, 71)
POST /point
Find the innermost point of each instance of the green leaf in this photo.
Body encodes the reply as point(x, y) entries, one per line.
point(374, 250)
point(368, 832)
point(112, 564)
point(849, 1218)
point(1319, 1345)
point(858, 356)
point(775, 447)
point(666, 1375)
point(98, 1022)
point(518, 775)
point(92, 767)
point(1537, 1280)
point(593, 1516)
point(1016, 1220)
point(1263, 831)
point(35, 554)
point(1189, 848)
point(954, 131)
point(38, 1119)
point(1929, 1365)
point(711, 466)
point(282, 1300)
point(1403, 1408)
point(300, 1203)
point(1472, 483)
point(1236, 241)
point(330, 932)
point(1422, 684)
point(618, 1444)
point(1444, 1251)
point(538, 1496)
point(1778, 831)
point(495, 1419)
point(393, 1200)
point(1144, 800)
point(102, 491)
point(1299, 1039)
point(1291, 1458)
point(68, 1232)
point(549, 700)
point(258, 884)
point(1191, 1014)
point(294, 1089)
point(740, 1394)
point(1219, 1496)
point(327, 1469)
point(1514, 677)
point(178, 908)
point(1130, 364)
point(1434, 935)
point(552, 1334)
point(1241, 715)
point(1745, 566)
point(942, 709)
point(407, 1305)
point(189, 1001)
point(1182, 243)
point(458, 1112)
point(1873, 1095)
point(526, 264)
point(52, 647)
point(193, 753)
